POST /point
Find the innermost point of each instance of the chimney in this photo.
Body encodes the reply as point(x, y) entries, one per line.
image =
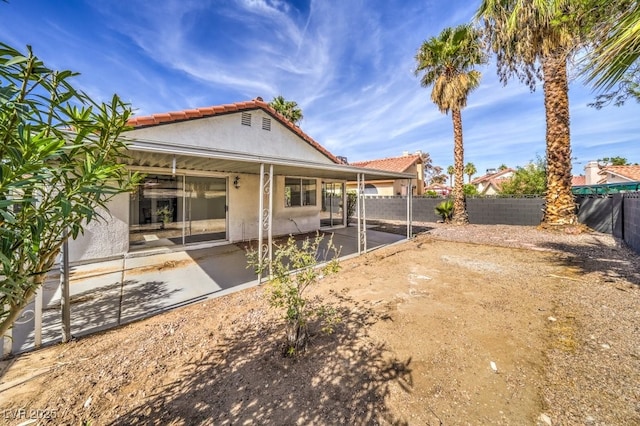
point(405, 153)
point(343, 159)
point(591, 170)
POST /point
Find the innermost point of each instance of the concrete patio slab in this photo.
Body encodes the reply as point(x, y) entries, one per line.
point(111, 293)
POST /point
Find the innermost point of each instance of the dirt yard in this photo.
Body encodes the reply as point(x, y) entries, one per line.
point(473, 325)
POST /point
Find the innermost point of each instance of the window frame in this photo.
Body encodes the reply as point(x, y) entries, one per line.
point(303, 195)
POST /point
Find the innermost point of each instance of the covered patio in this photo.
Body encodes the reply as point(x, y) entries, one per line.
point(108, 294)
point(213, 179)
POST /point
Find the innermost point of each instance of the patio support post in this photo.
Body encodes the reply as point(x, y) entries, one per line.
point(362, 221)
point(65, 299)
point(37, 321)
point(265, 217)
point(270, 220)
point(345, 205)
point(358, 211)
point(409, 208)
point(7, 339)
point(260, 210)
point(364, 217)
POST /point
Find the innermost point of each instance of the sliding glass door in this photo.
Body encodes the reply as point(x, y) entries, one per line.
point(332, 200)
point(170, 210)
point(206, 209)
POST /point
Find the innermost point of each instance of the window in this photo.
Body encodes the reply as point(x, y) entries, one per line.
point(299, 192)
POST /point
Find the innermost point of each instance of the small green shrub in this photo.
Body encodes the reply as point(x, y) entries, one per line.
point(294, 269)
point(445, 210)
point(469, 189)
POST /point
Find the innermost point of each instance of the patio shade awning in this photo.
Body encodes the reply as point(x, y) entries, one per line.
point(160, 154)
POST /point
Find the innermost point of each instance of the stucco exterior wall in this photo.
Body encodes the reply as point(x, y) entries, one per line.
point(244, 210)
point(105, 238)
point(110, 238)
point(226, 132)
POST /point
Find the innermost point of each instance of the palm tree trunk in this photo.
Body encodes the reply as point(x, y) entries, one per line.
point(560, 206)
point(459, 206)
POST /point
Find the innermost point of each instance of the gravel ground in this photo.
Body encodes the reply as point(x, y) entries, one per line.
point(556, 311)
point(596, 365)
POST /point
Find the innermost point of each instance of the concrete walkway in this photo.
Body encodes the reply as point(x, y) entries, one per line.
point(111, 293)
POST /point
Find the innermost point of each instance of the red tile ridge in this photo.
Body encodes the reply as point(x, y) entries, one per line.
point(258, 103)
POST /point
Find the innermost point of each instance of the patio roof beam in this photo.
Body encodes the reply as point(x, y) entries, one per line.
point(237, 162)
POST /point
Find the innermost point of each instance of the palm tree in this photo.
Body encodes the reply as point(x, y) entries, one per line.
point(447, 62)
point(524, 34)
point(615, 57)
point(451, 171)
point(470, 170)
point(288, 109)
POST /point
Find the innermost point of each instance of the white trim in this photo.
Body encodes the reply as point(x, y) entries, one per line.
point(171, 149)
point(180, 172)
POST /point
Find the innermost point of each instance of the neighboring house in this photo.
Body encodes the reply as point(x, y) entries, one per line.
point(596, 174)
point(578, 180)
point(221, 174)
point(491, 182)
point(408, 163)
point(439, 188)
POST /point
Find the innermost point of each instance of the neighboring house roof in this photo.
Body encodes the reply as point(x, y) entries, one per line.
point(489, 177)
point(578, 180)
point(438, 187)
point(195, 113)
point(492, 180)
point(393, 164)
point(631, 173)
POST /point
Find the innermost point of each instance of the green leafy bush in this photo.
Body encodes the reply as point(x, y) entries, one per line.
point(294, 269)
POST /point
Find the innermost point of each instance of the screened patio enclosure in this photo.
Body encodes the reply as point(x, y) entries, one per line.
point(194, 194)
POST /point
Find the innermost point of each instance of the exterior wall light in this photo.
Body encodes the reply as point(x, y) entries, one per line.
point(236, 182)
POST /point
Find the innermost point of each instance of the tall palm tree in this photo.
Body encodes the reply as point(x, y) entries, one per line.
point(524, 34)
point(451, 171)
point(288, 109)
point(470, 170)
point(447, 63)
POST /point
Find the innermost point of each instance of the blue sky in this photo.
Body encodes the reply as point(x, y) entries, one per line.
point(348, 63)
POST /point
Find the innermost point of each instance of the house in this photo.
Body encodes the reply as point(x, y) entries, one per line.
point(439, 188)
point(221, 174)
point(578, 180)
point(597, 174)
point(491, 182)
point(407, 163)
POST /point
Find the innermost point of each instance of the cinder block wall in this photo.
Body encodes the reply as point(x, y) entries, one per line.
point(595, 211)
point(482, 211)
point(395, 208)
point(631, 220)
point(505, 211)
point(617, 214)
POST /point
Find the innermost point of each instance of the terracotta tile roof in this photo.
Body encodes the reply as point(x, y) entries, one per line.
point(393, 164)
point(194, 113)
point(578, 180)
point(628, 172)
